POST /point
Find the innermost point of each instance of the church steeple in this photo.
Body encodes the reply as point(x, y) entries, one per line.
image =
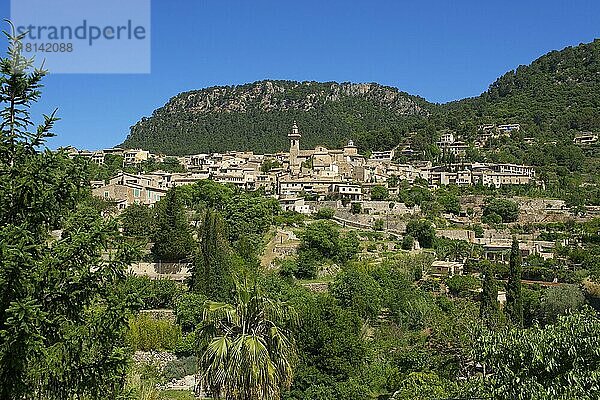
point(294, 137)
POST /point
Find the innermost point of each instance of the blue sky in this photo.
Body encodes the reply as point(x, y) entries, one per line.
point(441, 50)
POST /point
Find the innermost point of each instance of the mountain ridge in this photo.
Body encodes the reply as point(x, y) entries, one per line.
point(256, 116)
point(267, 90)
point(557, 93)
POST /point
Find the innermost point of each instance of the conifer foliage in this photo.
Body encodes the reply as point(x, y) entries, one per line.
point(514, 301)
point(489, 310)
point(212, 274)
point(61, 321)
point(173, 239)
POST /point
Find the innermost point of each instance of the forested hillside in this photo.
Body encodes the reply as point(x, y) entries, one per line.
point(257, 117)
point(553, 98)
point(341, 313)
point(555, 94)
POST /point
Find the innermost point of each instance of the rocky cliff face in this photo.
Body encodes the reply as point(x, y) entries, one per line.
point(285, 95)
point(554, 97)
point(257, 116)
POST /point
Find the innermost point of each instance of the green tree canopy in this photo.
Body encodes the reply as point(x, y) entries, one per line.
point(507, 210)
point(213, 270)
point(489, 310)
point(137, 220)
point(322, 242)
point(559, 361)
point(514, 301)
point(422, 230)
point(330, 337)
point(379, 192)
point(246, 215)
point(173, 238)
point(62, 321)
point(560, 300)
point(356, 289)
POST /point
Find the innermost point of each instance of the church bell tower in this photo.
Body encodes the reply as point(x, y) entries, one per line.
point(294, 137)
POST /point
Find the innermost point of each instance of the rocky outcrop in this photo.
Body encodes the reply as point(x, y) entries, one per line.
point(158, 358)
point(257, 117)
point(287, 95)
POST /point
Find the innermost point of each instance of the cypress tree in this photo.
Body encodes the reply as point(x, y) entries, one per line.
point(514, 300)
point(212, 272)
point(489, 310)
point(173, 239)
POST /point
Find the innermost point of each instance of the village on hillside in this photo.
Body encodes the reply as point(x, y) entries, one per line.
point(293, 176)
point(306, 239)
point(350, 184)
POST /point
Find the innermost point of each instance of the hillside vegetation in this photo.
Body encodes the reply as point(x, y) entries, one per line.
point(554, 97)
point(557, 93)
point(257, 117)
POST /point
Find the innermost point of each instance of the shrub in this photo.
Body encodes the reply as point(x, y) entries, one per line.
point(153, 294)
point(378, 225)
point(507, 210)
point(351, 389)
point(186, 346)
point(289, 218)
point(408, 242)
point(460, 285)
point(355, 208)
point(163, 293)
point(478, 229)
point(180, 368)
point(288, 268)
point(423, 385)
point(188, 310)
point(269, 164)
point(148, 333)
point(325, 213)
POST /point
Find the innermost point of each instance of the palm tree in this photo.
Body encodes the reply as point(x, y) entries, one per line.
point(455, 250)
point(245, 350)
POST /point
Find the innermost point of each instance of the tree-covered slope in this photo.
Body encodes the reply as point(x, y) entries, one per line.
point(258, 116)
point(554, 97)
point(557, 93)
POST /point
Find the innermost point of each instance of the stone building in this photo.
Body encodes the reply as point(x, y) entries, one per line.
point(294, 137)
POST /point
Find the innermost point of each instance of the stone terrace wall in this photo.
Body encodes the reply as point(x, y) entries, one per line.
point(383, 207)
point(366, 221)
point(456, 234)
point(530, 209)
point(174, 271)
point(542, 210)
point(370, 207)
